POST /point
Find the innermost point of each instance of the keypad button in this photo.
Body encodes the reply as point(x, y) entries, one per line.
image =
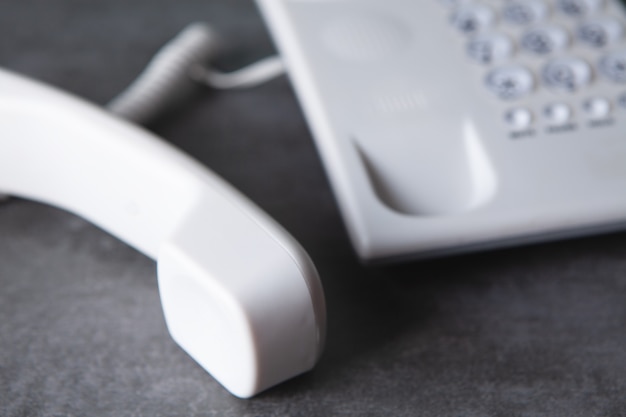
point(566, 74)
point(613, 66)
point(597, 108)
point(509, 83)
point(473, 18)
point(519, 118)
point(487, 49)
point(578, 8)
point(524, 12)
point(545, 40)
point(557, 113)
point(601, 32)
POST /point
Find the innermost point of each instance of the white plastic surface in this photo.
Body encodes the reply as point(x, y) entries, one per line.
point(422, 155)
point(238, 293)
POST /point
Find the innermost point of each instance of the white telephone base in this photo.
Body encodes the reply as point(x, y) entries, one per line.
point(449, 126)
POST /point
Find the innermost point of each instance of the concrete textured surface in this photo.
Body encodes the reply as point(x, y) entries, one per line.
point(535, 331)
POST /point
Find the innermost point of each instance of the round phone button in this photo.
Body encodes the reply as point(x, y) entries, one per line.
point(558, 113)
point(519, 118)
point(597, 108)
point(578, 8)
point(487, 49)
point(600, 33)
point(524, 12)
point(545, 40)
point(509, 83)
point(613, 66)
point(567, 74)
point(473, 18)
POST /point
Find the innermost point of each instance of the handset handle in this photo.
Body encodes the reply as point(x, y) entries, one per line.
point(239, 294)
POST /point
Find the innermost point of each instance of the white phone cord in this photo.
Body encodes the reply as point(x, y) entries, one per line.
point(251, 76)
point(181, 60)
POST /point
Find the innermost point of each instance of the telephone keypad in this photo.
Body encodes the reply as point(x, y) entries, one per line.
point(498, 32)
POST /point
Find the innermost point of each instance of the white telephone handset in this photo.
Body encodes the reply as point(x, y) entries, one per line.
point(457, 125)
point(238, 293)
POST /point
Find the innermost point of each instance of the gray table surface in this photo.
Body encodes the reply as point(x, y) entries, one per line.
point(532, 331)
